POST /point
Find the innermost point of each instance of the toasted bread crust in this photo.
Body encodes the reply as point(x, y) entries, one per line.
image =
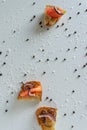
point(35, 85)
point(48, 124)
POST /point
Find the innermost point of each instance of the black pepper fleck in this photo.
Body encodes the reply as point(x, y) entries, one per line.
point(14, 31)
point(47, 59)
point(69, 35)
point(50, 100)
point(33, 3)
point(74, 32)
point(0, 74)
point(7, 101)
point(86, 54)
point(79, 4)
point(34, 16)
point(69, 18)
point(66, 29)
point(86, 10)
point(56, 59)
point(44, 72)
point(40, 22)
point(27, 40)
point(73, 112)
point(6, 110)
point(57, 26)
point(78, 13)
point(0, 52)
point(43, 50)
point(73, 91)
point(47, 28)
point(75, 70)
point(31, 20)
point(25, 75)
point(33, 56)
point(41, 26)
point(75, 47)
point(72, 126)
point(64, 59)
point(64, 114)
point(12, 92)
point(4, 63)
point(68, 49)
point(78, 76)
point(62, 24)
point(84, 66)
point(39, 60)
point(47, 98)
point(3, 41)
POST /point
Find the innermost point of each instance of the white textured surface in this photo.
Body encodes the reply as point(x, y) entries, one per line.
point(60, 79)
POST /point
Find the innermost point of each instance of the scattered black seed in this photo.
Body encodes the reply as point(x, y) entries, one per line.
point(39, 61)
point(0, 74)
point(74, 32)
point(33, 56)
point(43, 50)
point(75, 47)
point(27, 40)
point(69, 35)
point(78, 76)
point(79, 4)
point(6, 55)
point(47, 98)
point(57, 26)
point(73, 91)
point(33, 3)
point(3, 41)
point(86, 47)
point(50, 100)
point(7, 101)
point(40, 22)
point(69, 18)
point(41, 26)
point(72, 126)
point(47, 59)
point(84, 66)
point(64, 59)
point(12, 92)
point(6, 110)
point(47, 28)
point(31, 20)
point(4, 63)
point(86, 10)
point(65, 114)
point(66, 29)
point(78, 13)
point(62, 24)
point(73, 112)
point(68, 49)
point(25, 75)
point(44, 72)
point(56, 58)
point(75, 70)
point(34, 16)
point(0, 52)
point(14, 31)
point(86, 54)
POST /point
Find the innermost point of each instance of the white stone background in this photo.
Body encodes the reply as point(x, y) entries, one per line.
point(59, 80)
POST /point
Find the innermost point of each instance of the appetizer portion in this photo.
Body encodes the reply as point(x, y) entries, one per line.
point(31, 90)
point(46, 117)
point(52, 15)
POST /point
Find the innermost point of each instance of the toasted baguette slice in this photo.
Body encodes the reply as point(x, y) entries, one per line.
point(52, 15)
point(46, 117)
point(31, 90)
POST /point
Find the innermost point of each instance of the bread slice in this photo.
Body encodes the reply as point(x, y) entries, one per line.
point(31, 90)
point(52, 15)
point(46, 117)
